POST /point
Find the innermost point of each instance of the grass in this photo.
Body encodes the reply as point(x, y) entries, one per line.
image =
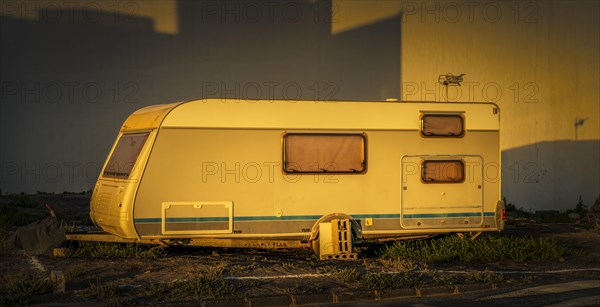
point(75, 272)
point(19, 211)
point(118, 250)
point(483, 277)
point(288, 266)
point(378, 281)
point(245, 268)
point(478, 277)
point(102, 291)
point(17, 290)
point(348, 275)
point(442, 279)
point(405, 264)
point(199, 285)
point(409, 279)
point(485, 249)
point(208, 284)
point(110, 293)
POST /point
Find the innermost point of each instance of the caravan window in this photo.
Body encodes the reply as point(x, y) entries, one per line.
point(124, 156)
point(447, 125)
point(324, 153)
point(436, 171)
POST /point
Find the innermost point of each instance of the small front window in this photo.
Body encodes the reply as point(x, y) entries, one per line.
point(446, 125)
point(324, 153)
point(447, 171)
point(120, 164)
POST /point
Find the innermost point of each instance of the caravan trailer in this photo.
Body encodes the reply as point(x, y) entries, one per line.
point(326, 174)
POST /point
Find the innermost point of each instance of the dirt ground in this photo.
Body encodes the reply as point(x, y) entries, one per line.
point(302, 271)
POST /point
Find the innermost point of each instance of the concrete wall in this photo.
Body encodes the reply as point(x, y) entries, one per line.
point(72, 71)
point(540, 62)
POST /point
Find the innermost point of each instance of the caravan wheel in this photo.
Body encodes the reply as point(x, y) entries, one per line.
point(344, 232)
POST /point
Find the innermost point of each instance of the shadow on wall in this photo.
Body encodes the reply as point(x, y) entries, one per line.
point(532, 173)
point(70, 79)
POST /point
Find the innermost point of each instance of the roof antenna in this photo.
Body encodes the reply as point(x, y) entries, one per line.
point(450, 80)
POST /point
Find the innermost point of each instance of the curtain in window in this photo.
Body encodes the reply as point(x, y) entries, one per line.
point(324, 153)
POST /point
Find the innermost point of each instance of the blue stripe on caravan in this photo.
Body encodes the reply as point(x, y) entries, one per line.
point(225, 219)
point(304, 217)
point(434, 215)
point(376, 216)
point(274, 218)
point(147, 220)
point(196, 219)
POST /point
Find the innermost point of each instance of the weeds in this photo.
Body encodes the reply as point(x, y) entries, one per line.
point(18, 290)
point(289, 266)
point(75, 272)
point(378, 281)
point(25, 201)
point(110, 293)
point(487, 248)
point(119, 250)
point(483, 277)
point(292, 290)
point(302, 289)
point(405, 264)
point(529, 278)
point(326, 269)
point(444, 279)
point(348, 275)
point(17, 212)
point(102, 291)
point(210, 284)
point(4, 233)
point(243, 268)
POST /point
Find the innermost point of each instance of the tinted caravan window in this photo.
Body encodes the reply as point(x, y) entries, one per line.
point(124, 156)
point(324, 153)
point(442, 125)
point(433, 171)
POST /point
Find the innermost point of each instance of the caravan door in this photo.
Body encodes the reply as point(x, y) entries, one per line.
point(441, 192)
